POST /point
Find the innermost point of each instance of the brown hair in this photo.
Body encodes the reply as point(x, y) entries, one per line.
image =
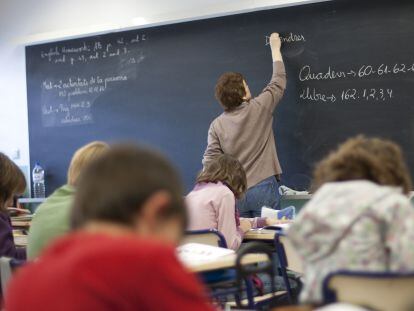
point(378, 160)
point(228, 170)
point(83, 157)
point(115, 186)
point(12, 181)
point(230, 90)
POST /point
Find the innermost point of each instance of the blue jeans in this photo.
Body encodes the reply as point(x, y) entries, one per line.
point(265, 193)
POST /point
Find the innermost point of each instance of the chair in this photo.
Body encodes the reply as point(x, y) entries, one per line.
point(379, 291)
point(208, 236)
point(246, 272)
point(289, 260)
point(287, 253)
point(7, 266)
point(222, 283)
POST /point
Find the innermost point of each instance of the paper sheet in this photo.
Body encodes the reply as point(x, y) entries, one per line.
point(195, 252)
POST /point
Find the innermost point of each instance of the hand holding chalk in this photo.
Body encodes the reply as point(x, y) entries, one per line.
point(275, 45)
point(274, 41)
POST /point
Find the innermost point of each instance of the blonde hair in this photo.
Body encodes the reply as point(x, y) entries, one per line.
point(83, 157)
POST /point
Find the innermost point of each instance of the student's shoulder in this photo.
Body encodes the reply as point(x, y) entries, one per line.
point(223, 193)
point(214, 191)
point(144, 257)
point(136, 245)
point(61, 198)
point(220, 188)
point(112, 254)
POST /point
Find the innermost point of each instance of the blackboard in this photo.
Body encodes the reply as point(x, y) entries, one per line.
point(349, 65)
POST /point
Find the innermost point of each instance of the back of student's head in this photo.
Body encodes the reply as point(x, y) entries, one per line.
point(230, 90)
point(228, 170)
point(12, 181)
point(82, 157)
point(116, 186)
point(378, 160)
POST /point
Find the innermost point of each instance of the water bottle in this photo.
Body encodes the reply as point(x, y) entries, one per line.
point(38, 176)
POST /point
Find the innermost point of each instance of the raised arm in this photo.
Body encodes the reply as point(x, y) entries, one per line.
point(273, 92)
point(213, 145)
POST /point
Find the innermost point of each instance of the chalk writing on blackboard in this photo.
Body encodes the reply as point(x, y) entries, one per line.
point(357, 95)
point(69, 101)
point(307, 73)
point(370, 93)
point(289, 38)
point(101, 64)
point(87, 52)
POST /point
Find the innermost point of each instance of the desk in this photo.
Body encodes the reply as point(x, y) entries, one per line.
point(20, 224)
point(297, 200)
point(225, 262)
point(260, 235)
point(20, 239)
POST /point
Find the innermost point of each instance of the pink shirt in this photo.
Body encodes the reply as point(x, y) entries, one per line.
point(213, 206)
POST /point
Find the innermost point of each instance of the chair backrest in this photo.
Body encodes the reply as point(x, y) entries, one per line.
point(379, 291)
point(288, 257)
point(209, 236)
point(245, 272)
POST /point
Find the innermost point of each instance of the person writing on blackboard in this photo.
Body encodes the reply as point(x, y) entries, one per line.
point(245, 131)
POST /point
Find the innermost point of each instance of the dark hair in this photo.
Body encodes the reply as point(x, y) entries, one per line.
point(115, 186)
point(228, 170)
point(378, 160)
point(230, 90)
point(12, 180)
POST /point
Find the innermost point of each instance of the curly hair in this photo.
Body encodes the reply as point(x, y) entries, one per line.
point(230, 90)
point(378, 160)
point(228, 170)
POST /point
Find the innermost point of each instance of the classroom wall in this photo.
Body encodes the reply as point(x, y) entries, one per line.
point(34, 21)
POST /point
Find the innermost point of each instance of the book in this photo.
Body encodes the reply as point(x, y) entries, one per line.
point(283, 214)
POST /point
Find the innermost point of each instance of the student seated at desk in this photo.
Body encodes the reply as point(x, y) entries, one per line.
point(212, 202)
point(360, 218)
point(12, 183)
point(129, 215)
point(52, 216)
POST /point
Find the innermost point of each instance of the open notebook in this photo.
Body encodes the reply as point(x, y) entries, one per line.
point(193, 253)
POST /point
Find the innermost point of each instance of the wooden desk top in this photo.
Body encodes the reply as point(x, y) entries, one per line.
point(20, 239)
point(225, 262)
point(260, 234)
point(20, 224)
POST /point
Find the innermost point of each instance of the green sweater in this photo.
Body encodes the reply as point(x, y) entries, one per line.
point(50, 221)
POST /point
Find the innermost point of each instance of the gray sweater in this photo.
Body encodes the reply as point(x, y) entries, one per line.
point(246, 132)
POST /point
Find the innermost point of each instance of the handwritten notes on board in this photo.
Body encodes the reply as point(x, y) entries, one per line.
point(367, 92)
point(85, 70)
